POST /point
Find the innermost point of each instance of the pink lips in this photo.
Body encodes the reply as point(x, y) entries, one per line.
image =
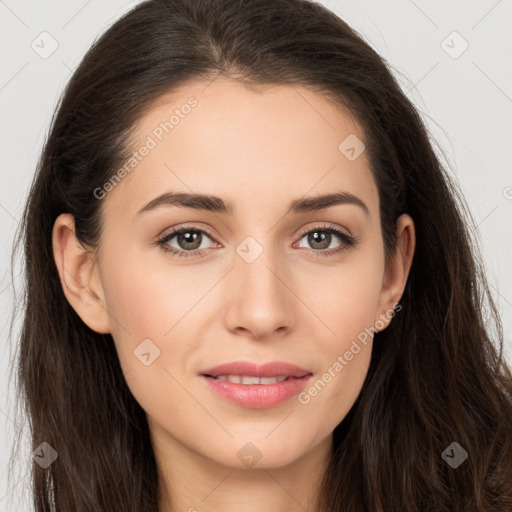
point(257, 396)
point(273, 369)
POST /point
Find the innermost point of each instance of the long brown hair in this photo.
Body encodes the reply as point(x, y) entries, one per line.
point(437, 375)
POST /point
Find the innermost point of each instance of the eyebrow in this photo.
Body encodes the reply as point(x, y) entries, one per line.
point(218, 205)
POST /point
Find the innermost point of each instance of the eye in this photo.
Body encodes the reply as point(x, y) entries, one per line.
point(189, 240)
point(321, 237)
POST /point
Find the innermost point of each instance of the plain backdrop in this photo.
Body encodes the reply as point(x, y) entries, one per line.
point(452, 60)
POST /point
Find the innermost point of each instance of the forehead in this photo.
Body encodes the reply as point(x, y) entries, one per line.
point(246, 144)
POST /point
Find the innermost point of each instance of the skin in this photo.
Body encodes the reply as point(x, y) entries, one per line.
point(261, 148)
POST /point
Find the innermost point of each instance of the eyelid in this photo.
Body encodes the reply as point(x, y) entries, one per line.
point(184, 227)
point(198, 227)
point(326, 226)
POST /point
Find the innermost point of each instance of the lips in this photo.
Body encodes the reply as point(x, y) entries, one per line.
point(250, 369)
point(256, 386)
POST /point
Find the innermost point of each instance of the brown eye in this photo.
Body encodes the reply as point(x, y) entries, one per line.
point(188, 241)
point(319, 239)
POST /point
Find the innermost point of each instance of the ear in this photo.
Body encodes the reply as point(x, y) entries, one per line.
point(397, 271)
point(79, 275)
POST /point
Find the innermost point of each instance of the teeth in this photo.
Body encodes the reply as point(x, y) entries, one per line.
point(243, 379)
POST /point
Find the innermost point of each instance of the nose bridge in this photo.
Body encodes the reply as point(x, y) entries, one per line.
point(258, 299)
point(256, 264)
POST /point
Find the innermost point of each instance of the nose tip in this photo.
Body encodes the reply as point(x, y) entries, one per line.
point(259, 302)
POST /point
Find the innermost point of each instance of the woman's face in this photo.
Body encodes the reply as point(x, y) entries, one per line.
point(266, 281)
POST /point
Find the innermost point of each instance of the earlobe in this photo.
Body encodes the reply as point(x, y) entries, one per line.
point(79, 275)
point(397, 272)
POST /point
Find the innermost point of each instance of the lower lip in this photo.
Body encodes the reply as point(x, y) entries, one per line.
point(257, 396)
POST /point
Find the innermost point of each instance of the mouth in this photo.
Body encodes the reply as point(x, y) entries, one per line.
point(255, 392)
point(247, 369)
point(257, 386)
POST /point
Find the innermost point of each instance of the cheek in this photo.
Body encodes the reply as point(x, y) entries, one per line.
point(147, 307)
point(346, 358)
point(345, 298)
point(347, 305)
point(333, 393)
point(148, 298)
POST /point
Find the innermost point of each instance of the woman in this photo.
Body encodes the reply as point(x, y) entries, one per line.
point(250, 282)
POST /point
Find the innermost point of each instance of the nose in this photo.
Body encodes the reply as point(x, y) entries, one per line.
point(260, 300)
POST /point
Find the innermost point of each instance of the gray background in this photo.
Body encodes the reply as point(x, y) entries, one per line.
point(465, 98)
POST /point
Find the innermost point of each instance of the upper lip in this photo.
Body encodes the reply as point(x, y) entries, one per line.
point(250, 369)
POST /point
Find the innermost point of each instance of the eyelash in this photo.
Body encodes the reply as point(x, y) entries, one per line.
point(348, 241)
